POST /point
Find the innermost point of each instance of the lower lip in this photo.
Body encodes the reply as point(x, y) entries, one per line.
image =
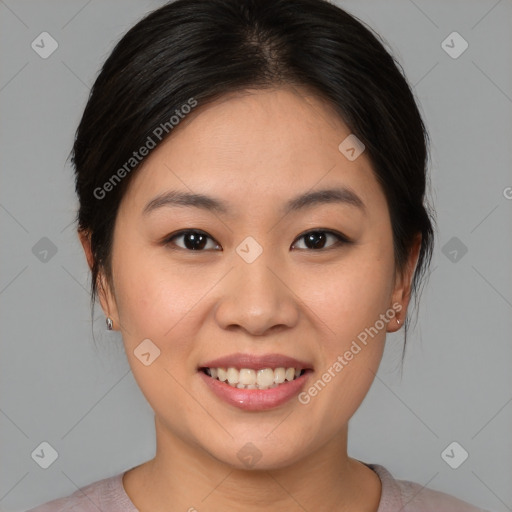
point(256, 399)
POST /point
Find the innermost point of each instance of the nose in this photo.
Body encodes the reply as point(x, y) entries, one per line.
point(257, 299)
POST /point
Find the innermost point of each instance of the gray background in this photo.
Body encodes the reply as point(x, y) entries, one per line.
point(456, 384)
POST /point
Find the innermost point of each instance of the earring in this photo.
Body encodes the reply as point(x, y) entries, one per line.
point(110, 324)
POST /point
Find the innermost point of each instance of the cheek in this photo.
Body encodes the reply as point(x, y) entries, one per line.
point(156, 306)
point(151, 301)
point(353, 296)
point(165, 302)
point(350, 305)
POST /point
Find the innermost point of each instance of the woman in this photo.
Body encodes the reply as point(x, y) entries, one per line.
point(251, 177)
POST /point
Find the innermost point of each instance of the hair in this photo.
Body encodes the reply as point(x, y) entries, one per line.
point(204, 49)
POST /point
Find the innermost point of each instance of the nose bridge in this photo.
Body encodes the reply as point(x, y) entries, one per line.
point(256, 297)
point(257, 281)
point(254, 261)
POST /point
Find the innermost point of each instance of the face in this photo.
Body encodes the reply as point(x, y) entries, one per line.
point(261, 278)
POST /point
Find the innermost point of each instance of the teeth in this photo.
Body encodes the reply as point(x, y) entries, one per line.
point(264, 377)
point(233, 376)
point(247, 378)
point(279, 375)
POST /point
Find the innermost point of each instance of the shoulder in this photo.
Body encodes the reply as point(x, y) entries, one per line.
point(107, 495)
point(410, 496)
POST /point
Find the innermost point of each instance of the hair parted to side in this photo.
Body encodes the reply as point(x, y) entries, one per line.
point(204, 49)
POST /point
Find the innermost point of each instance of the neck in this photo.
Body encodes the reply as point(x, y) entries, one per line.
point(191, 479)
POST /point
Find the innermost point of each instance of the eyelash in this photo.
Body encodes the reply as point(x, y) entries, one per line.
point(341, 239)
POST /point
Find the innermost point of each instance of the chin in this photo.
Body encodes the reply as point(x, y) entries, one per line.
point(258, 453)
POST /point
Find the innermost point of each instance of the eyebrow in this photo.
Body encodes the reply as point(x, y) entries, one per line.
point(174, 198)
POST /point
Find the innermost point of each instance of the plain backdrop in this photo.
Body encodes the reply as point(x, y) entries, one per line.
point(81, 399)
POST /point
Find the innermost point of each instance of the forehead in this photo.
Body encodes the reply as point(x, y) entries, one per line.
point(254, 146)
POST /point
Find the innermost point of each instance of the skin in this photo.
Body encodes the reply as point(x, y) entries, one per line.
point(254, 150)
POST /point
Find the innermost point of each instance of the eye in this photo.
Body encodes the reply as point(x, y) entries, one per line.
point(196, 240)
point(193, 240)
point(316, 239)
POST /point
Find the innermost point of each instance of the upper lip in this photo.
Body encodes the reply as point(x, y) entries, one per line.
point(250, 361)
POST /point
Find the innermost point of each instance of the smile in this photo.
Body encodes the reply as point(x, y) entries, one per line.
point(252, 397)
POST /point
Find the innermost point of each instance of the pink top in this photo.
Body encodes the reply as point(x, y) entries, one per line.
point(108, 495)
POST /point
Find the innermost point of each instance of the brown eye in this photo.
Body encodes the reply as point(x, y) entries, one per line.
point(193, 240)
point(316, 240)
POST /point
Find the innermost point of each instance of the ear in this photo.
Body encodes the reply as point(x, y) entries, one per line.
point(403, 284)
point(107, 301)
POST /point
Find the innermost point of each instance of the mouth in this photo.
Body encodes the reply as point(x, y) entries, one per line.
point(255, 383)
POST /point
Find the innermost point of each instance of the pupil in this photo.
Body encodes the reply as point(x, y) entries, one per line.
point(195, 241)
point(317, 239)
